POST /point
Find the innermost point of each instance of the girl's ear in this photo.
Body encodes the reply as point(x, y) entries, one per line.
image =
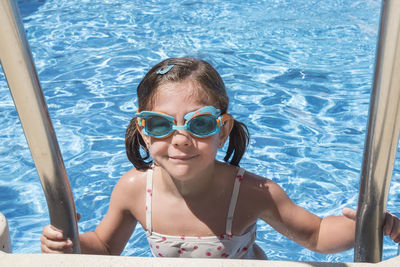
point(225, 131)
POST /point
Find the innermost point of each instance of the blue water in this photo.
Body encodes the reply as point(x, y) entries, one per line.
point(299, 74)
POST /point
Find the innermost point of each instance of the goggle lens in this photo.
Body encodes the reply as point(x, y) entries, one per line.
point(158, 126)
point(202, 125)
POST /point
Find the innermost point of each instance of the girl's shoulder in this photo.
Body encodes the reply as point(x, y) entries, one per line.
point(255, 198)
point(260, 190)
point(250, 182)
point(132, 182)
point(254, 182)
point(129, 193)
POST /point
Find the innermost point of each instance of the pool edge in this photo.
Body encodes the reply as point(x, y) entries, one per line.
point(62, 260)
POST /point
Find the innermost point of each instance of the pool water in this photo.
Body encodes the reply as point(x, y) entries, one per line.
point(299, 74)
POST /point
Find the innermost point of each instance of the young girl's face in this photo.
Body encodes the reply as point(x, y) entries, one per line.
point(183, 156)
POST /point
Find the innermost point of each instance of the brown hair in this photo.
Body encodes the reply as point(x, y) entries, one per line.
point(214, 88)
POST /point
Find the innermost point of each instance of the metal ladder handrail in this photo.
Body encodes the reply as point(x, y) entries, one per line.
point(382, 138)
point(16, 60)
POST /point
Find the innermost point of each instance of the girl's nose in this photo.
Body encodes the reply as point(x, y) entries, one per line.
point(181, 138)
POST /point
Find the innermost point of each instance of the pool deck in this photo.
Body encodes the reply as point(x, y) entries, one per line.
point(63, 260)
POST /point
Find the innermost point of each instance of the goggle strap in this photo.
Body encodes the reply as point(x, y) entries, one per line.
point(222, 119)
point(141, 122)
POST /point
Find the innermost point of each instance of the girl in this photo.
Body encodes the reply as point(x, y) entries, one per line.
point(190, 204)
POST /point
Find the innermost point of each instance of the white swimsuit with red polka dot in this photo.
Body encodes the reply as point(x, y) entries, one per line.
point(224, 246)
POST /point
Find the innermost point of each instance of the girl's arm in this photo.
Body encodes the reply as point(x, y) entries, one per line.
point(117, 226)
point(334, 228)
point(391, 225)
point(101, 242)
point(335, 234)
point(110, 236)
point(328, 235)
point(302, 226)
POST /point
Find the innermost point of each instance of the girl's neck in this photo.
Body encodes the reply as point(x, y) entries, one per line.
point(195, 186)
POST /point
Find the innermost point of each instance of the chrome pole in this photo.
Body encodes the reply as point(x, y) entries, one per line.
point(382, 138)
point(23, 82)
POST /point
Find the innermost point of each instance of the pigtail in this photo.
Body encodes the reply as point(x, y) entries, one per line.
point(238, 141)
point(133, 144)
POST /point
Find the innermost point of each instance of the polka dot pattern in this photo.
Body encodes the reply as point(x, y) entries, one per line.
point(223, 246)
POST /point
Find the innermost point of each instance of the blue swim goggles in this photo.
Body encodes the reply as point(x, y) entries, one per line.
point(203, 122)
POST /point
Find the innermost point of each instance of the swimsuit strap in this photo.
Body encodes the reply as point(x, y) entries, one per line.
point(232, 205)
point(234, 198)
point(149, 194)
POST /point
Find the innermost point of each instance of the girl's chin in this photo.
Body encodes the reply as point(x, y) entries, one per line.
point(181, 171)
point(184, 169)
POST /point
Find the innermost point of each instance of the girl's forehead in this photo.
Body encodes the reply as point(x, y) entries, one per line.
point(188, 91)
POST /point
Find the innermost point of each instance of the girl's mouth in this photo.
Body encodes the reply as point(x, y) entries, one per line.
point(182, 158)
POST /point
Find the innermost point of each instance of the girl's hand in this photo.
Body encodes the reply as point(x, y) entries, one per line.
point(391, 226)
point(53, 241)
